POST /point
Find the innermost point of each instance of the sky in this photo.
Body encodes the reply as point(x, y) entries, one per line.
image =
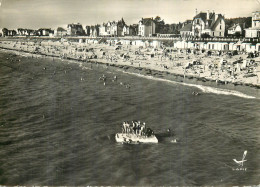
point(36, 14)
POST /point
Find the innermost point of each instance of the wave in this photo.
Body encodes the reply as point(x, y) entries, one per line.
point(205, 89)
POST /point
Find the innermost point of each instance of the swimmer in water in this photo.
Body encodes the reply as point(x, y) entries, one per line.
point(195, 93)
point(174, 141)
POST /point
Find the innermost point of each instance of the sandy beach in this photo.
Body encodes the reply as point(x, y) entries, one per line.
point(221, 67)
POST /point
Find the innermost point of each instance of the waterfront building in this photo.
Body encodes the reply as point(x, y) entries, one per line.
point(254, 30)
point(126, 31)
point(112, 28)
point(45, 32)
point(146, 27)
point(129, 30)
point(11, 32)
point(236, 29)
point(208, 23)
point(94, 31)
point(186, 30)
point(103, 30)
point(75, 29)
point(60, 32)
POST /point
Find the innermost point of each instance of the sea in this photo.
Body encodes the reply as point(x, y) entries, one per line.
point(58, 122)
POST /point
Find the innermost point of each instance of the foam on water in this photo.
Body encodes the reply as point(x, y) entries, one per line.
point(205, 89)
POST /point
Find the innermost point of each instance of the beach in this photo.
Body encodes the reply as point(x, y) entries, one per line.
point(219, 67)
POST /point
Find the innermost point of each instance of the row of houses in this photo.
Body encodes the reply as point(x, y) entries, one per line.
point(27, 32)
point(203, 24)
point(210, 24)
point(145, 27)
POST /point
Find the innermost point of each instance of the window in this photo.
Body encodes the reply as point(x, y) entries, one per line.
point(212, 33)
point(220, 34)
point(220, 27)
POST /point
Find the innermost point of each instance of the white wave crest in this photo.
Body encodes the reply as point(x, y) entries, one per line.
point(205, 89)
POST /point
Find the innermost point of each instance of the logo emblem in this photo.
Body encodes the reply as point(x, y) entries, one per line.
point(241, 162)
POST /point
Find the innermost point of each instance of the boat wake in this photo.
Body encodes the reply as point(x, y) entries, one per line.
point(205, 89)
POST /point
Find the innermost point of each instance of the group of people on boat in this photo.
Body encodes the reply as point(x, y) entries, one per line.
point(136, 127)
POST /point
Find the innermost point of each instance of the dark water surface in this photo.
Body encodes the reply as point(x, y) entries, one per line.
point(58, 122)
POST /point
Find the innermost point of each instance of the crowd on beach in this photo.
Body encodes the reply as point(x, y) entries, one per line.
point(221, 66)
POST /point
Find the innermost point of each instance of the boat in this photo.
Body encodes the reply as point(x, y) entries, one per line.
point(130, 138)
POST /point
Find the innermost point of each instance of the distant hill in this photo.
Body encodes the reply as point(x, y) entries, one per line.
point(244, 20)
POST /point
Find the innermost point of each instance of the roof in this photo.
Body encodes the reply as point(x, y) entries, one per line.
point(147, 21)
point(211, 22)
point(75, 25)
point(234, 26)
point(201, 15)
point(215, 23)
point(46, 29)
point(60, 29)
point(187, 27)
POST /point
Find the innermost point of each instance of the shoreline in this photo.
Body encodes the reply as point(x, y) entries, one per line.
point(148, 70)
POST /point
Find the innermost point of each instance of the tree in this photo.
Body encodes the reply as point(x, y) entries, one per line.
point(159, 24)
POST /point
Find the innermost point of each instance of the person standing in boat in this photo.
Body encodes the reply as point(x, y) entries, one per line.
point(133, 125)
point(139, 128)
point(136, 127)
point(127, 127)
point(124, 127)
point(143, 129)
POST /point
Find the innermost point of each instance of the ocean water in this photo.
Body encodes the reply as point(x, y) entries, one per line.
point(58, 122)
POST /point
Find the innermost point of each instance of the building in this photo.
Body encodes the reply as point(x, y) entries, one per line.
point(254, 30)
point(112, 28)
point(133, 30)
point(94, 31)
point(87, 30)
point(11, 32)
point(60, 32)
point(129, 30)
point(236, 29)
point(126, 31)
point(44, 32)
point(103, 30)
point(186, 30)
point(208, 23)
point(75, 29)
point(146, 27)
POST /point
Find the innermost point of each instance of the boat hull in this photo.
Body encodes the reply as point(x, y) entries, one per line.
point(124, 138)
